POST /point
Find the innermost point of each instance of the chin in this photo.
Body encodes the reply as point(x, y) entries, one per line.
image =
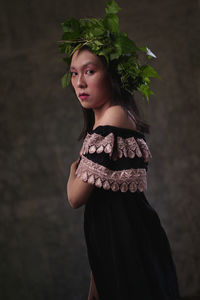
point(86, 105)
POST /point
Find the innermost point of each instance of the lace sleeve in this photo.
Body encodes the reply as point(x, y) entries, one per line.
point(113, 162)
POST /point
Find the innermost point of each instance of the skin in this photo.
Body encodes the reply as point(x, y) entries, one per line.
point(92, 79)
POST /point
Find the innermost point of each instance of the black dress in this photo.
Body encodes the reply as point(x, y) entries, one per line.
point(128, 249)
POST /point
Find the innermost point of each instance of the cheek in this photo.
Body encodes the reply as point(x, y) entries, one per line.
point(99, 83)
point(72, 82)
point(73, 85)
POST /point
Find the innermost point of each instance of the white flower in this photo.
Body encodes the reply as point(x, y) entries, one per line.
point(150, 53)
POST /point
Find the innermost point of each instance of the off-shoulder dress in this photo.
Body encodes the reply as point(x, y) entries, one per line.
point(128, 249)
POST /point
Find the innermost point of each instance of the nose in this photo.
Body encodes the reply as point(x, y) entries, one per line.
point(81, 82)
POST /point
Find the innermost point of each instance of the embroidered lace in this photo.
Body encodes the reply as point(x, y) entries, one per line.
point(128, 147)
point(100, 176)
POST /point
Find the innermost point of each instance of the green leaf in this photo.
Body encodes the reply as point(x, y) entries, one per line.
point(111, 22)
point(66, 59)
point(62, 47)
point(68, 49)
point(148, 71)
point(127, 46)
point(71, 29)
point(105, 52)
point(115, 55)
point(112, 7)
point(92, 27)
point(103, 37)
point(143, 49)
point(98, 31)
point(65, 80)
point(96, 45)
point(98, 27)
point(145, 90)
point(147, 80)
point(71, 25)
point(69, 36)
point(76, 48)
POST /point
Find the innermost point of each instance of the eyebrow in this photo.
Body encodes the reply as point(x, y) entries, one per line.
point(87, 63)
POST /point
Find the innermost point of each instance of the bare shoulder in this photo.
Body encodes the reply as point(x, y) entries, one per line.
point(117, 116)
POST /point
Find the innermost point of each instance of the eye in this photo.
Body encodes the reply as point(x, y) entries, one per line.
point(73, 74)
point(91, 71)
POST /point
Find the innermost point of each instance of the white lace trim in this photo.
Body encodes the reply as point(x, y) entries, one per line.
point(128, 147)
point(100, 176)
point(98, 143)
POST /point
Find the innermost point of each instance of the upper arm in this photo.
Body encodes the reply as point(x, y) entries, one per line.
point(94, 167)
point(100, 163)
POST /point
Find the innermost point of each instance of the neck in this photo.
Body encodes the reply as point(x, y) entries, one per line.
point(99, 113)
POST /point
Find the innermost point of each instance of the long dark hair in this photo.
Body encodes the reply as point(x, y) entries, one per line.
point(119, 97)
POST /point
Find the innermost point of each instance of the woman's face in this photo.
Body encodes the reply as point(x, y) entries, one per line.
point(89, 76)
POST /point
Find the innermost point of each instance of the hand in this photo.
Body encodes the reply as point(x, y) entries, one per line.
point(74, 166)
point(93, 294)
point(72, 177)
point(78, 191)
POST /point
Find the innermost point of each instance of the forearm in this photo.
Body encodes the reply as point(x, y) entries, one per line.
point(71, 192)
point(78, 191)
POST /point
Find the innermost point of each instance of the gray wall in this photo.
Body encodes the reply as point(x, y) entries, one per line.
point(42, 247)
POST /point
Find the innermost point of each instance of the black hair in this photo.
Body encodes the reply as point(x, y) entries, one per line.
point(119, 97)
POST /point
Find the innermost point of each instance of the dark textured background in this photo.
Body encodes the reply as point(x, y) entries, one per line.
point(42, 247)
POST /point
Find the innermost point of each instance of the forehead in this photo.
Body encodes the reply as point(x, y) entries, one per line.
point(83, 58)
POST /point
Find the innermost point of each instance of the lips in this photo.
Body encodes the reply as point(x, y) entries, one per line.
point(83, 94)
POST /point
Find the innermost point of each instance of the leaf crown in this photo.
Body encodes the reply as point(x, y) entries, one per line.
point(103, 37)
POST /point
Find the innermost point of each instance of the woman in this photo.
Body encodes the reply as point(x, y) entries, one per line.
point(128, 250)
